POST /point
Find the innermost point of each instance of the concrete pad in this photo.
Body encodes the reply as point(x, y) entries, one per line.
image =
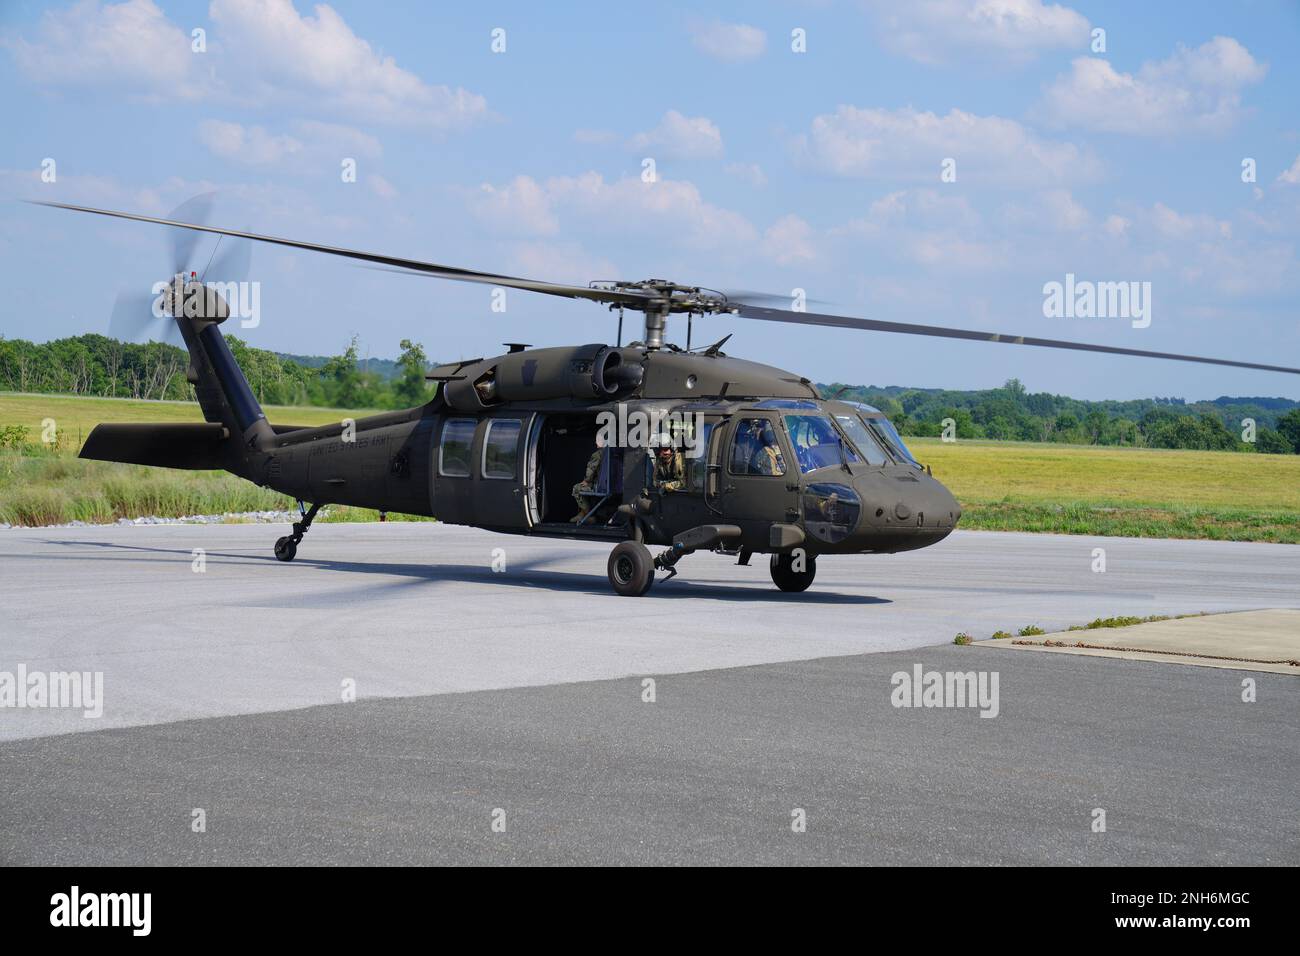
point(407, 610)
point(1245, 640)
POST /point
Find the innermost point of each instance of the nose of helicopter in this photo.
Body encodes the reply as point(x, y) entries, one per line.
point(905, 510)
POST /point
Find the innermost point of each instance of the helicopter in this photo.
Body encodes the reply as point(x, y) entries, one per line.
point(730, 456)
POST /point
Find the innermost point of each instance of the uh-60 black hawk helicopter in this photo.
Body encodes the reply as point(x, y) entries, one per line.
point(510, 443)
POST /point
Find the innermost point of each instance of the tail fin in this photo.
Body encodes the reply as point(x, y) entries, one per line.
point(235, 423)
point(222, 390)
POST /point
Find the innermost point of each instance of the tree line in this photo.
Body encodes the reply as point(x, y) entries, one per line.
point(95, 365)
point(98, 366)
point(1013, 413)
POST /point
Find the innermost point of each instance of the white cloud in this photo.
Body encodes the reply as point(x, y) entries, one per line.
point(131, 44)
point(751, 173)
point(522, 207)
point(313, 145)
point(263, 51)
point(911, 145)
point(322, 60)
point(667, 211)
point(1187, 226)
point(788, 241)
point(729, 42)
point(681, 137)
point(1291, 175)
point(338, 139)
point(1116, 225)
point(925, 227)
point(1192, 91)
point(1054, 210)
point(933, 31)
point(559, 261)
point(380, 186)
point(251, 145)
point(674, 207)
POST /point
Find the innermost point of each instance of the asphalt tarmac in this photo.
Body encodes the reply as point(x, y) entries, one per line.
point(518, 697)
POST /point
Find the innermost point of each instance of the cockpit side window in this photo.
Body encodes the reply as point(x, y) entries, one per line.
point(817, 444)
point(755, 450)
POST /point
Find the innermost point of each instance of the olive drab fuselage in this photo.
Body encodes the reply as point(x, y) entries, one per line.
point(506, 438)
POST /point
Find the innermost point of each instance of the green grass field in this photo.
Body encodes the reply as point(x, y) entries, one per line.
point(55, 487)
point(1142, 492)
point(75, 416)
point(1005, 486)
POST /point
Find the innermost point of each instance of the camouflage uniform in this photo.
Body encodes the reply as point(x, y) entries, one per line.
point(768, 461)
point(669, 473)
point(588, 483)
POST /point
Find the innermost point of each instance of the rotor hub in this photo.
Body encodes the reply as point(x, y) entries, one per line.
point(659, 298)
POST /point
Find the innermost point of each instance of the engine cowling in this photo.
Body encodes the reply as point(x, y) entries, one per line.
point(593, 372)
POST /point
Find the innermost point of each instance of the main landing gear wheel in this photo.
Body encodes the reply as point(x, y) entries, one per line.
point(631, 569)
point(286, 548)
point(785, 575)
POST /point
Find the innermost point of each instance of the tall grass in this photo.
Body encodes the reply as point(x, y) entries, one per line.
point(42, 487)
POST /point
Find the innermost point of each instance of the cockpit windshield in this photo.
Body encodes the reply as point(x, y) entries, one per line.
point(863, 438)
point(888, 434)
point(885, 431)
point(817, 444)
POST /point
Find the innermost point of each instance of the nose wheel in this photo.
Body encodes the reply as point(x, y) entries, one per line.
point(794, 571)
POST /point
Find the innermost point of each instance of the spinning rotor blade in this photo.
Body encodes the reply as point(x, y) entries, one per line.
point(196, 209)
point(908, 328)
point(414, 265)
point(133, 320)
point(230, 261)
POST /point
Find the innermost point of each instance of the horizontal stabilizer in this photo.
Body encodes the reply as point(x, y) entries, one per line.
point(192, 446)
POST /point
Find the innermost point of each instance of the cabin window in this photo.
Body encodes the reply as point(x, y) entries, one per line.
point(755, 450)
point(501, 448)
point(453, 453)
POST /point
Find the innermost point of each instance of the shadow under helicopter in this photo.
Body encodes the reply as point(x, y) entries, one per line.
point(529, 573)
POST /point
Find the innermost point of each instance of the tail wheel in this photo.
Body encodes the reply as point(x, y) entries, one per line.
point(631, 569)
point(285, 548)
point(794, 571)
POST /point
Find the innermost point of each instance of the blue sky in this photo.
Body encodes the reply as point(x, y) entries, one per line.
point(775, 170)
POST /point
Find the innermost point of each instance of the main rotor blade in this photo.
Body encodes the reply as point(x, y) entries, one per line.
point(428, 268)
point(908, 328)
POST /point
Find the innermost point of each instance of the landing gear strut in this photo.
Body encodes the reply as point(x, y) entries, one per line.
point(286, 548)
point(632, 569)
